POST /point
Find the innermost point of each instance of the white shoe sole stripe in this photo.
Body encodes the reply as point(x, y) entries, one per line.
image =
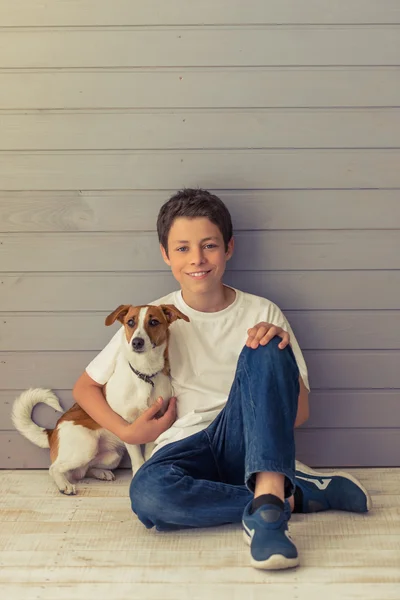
point(304, 469)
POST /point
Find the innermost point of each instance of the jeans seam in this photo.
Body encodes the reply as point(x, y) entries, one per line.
point(249, 387)
point(213, 453)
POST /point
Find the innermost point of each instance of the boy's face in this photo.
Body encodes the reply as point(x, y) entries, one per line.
point(197, 254)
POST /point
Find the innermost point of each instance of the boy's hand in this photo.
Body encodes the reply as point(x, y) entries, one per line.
point(149, 425)
point(263, 332)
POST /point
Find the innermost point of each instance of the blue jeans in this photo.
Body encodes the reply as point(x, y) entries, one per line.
point(208, 478)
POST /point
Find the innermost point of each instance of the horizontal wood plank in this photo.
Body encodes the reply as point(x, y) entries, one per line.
point(314, 330)
point(200, 88)
point(128, 210)
point(196, 47)
point(381, 482)
point(198, 591)
point(30, 13)
point(45, 536)
point(336, 560)
point(355, 408)
point(210, 169)
point(328, 369)
point(283, 128)
point(294, 290)
point(32, 509)
point(315, 447)
point(328, 409)
point(130, 563)
point(254, 251)
point(185, 574)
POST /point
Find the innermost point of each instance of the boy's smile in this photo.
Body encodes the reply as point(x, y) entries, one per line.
point(197, 257)
point(199, 274)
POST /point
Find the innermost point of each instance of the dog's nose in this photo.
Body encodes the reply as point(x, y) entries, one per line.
point(137, 343)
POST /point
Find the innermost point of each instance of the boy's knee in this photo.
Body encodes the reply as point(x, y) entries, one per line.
point(144, 491)
point(149, 495)
point(271, 350)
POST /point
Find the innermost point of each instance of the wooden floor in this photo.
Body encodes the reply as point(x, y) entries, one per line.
point(92, 546)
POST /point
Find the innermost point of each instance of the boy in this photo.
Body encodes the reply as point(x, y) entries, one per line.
point(225, 453)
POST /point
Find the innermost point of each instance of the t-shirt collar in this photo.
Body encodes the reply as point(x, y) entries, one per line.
point(187, 310)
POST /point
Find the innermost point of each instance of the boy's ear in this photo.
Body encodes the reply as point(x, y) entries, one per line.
point(172, 313)
point(119, 313)
point(164, 255)
point(231, 246)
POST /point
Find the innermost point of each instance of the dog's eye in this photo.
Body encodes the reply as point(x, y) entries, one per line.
point(154, 322)
point(131, 323)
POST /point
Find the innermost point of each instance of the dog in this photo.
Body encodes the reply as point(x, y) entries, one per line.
point(80, 447)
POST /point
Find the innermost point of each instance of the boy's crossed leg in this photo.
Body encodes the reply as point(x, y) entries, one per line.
point(242, 467)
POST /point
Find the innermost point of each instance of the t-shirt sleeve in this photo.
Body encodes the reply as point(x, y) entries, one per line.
point(278, 318)
point(102, 366)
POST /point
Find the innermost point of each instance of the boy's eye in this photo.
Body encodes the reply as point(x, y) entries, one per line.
point(154, 322)
point(131, 323)
point(183, 248)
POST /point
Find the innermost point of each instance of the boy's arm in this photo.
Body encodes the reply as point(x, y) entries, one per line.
point(89, 395)
point(88, 392)
point(303, 409)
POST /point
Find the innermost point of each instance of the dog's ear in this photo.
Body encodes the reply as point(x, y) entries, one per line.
point(119, 313)
point(172, 313)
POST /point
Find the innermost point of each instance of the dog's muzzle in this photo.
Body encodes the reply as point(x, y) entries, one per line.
point(138, 344)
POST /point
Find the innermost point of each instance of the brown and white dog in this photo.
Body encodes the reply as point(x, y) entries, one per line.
point(80, 447)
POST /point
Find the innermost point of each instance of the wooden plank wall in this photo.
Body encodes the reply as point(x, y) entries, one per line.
point(289, 111)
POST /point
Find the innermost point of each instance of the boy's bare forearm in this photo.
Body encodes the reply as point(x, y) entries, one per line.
point(90, 397)
point(303, 410)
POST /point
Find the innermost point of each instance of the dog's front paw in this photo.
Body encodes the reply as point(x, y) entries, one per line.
point(68, 490)
point(103, 474)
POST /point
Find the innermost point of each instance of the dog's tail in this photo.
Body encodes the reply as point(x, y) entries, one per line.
point(21, 414)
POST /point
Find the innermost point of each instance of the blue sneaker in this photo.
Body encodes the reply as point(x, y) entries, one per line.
point(336, 490)
point(266, 532)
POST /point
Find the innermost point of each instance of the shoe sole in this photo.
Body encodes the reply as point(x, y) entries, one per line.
point(276, 562)
point(304, 469)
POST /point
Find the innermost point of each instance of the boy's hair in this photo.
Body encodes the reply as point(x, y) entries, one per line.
point(193, 203)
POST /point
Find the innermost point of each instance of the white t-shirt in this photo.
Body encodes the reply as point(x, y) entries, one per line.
point(203, 357)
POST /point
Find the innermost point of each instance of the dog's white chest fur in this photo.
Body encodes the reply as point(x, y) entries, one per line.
point(129, 396)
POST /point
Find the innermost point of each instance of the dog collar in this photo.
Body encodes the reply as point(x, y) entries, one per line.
point(143, 376)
